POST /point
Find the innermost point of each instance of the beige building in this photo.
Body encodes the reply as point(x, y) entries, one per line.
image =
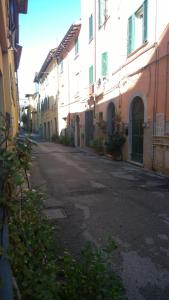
point(10, 52)
point(47, 87)
point(69, 83)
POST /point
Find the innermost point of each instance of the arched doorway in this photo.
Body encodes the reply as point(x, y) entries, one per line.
point(110, 120)
point(137, 120)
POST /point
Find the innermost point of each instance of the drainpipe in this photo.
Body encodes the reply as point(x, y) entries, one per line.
point(95, 53)
point(166, 91)
point(68, 89)
point(155, 87)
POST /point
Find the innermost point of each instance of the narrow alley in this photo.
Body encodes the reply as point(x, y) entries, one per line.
point(92, 198)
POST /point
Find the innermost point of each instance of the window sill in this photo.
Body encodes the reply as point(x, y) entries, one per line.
point(137, 50)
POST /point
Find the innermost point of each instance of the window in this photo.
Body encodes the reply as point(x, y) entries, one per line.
point(76, 46)
point(90, 28)
point(104, 66)
point(137, 28)
point(91, 75)
point(102, 12)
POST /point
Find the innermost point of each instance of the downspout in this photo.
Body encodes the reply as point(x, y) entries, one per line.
point(155, 91)
point(57, 96)
point(95, 61)
point(166, 92)
point(68, 89)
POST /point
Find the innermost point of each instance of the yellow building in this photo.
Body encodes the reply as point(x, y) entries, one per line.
point(10, 52)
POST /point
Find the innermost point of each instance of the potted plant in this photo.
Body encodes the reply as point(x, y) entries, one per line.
point(117, 139)
point(115, 145)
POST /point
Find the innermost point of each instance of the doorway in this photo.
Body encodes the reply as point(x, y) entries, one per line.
point(89, 128)
point(137, 120)
point(110, 120)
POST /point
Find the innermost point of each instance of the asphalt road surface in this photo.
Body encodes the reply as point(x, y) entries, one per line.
point(92, 198)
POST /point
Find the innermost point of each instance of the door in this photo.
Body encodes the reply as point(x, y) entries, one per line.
point(137, 130)
point(89, 128)
point(110, 121)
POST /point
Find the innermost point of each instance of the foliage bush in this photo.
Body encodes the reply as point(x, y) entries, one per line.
point(55, 138)
point(32, 250)
point(66, 138)
point(42, 274)
point(90, 277)
point(117, 139)
point(116, 142)
point(97, 145)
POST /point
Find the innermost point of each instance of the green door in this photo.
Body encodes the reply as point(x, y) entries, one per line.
point(137, 130)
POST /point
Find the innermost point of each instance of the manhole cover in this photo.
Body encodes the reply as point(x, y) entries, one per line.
point(54, 213)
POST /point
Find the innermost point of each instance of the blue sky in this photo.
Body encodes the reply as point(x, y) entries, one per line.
point(42, 29)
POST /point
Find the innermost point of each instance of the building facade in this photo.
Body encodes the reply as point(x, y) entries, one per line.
point(46, 97)
point(10, 52)
point(114, 65)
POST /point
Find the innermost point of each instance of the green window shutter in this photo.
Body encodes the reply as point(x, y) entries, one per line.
point(104, 64)
point(131, 34)
point(101, 10)
point(90, 28)
point(145, 21)
point(91, 75)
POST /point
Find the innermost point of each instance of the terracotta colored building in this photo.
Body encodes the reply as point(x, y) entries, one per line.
point(126, 48)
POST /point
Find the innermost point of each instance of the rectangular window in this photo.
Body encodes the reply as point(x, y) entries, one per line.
point(145, 23)
point(137, 28)
point(131, 34)
point(90, 28)
point(104, 64)
point(76, 46)
point(91, 75)
point(101, 12)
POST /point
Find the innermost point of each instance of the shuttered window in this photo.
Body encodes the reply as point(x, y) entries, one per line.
point(104, 63)
point(91, 75)
point(131, 34)
point(137, 28)
point(145, 20)
point(101, 12)
point(90, 28)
